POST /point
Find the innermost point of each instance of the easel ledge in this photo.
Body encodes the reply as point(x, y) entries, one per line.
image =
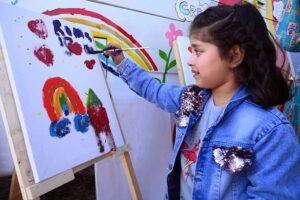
point(36, 190)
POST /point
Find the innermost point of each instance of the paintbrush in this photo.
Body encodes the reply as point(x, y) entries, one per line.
point(91, 51)
point(116, 51)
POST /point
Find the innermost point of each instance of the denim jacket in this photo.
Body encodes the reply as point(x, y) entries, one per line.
point(271, 167)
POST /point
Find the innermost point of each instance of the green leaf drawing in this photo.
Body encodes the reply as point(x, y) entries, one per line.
point(158, 80)
point(171, 65)
point(163, 55)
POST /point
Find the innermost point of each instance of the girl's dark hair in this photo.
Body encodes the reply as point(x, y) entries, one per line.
point(243, 25)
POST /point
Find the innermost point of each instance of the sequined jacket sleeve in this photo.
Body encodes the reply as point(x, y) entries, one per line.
point(167, 97)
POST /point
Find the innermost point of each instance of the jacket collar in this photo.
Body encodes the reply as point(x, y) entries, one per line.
point(238, 96)
point(194, 99)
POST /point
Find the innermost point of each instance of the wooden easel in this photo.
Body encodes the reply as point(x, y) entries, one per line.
point(14, 192)
point(180, 46)
point(23, 173)
point(179, 64)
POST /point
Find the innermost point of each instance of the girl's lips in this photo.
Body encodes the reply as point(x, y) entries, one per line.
point(195, 73)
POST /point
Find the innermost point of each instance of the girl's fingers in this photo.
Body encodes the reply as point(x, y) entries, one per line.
point(116, 53)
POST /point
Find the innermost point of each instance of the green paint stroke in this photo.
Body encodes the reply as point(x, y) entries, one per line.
point(62, 100)
point(100, 45)
point(169, 65)
point(92, 99)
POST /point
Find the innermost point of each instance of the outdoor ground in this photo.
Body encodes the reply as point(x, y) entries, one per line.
point(82, 188)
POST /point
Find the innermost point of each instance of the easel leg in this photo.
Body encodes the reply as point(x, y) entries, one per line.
point(15, 192)
point(131, 178)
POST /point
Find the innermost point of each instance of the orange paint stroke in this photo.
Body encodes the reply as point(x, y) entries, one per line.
point(57, 107)
point(50, 90)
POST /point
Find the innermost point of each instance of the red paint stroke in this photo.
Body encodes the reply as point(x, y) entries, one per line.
point(99, 119)
point(100, 122)
point(44, 54)
point(90, 63)
point(38, 27)
point(48, 90)
point(75, 48)
point(229, 2)
point(190, 49)
point(82, 11)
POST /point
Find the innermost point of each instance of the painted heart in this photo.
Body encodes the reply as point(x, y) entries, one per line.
point(75, 48)
point(38, 27)
point(190, 49)
point(90, 63)
point(44, 54)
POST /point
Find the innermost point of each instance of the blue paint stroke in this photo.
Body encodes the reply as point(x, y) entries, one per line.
point(58, 31)
point(61, 128)
point(111, 66)
point(87, 48)
point(14, 2)
point(78, 33)
point(65, 108)
point(57, 28)
point(68, 30)
point(87, 35)
point(60, 41)
point(82, 123)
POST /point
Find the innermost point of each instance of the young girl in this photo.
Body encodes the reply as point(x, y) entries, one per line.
point(231, 140)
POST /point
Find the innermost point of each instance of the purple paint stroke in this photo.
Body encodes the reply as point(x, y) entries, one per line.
point(68, 30)
point(87, 35)
point(78, 33)
point(57, 28)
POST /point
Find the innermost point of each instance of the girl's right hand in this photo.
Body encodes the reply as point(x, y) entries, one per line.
point(116, 55)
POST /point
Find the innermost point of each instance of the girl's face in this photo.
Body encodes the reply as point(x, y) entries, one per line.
point(209, 69)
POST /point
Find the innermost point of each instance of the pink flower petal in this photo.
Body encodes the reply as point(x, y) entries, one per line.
point(172, 28)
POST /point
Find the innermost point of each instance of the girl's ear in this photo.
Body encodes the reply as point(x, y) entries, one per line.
point(236, 56)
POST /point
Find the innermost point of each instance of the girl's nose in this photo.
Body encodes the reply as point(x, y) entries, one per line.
point(190, 61)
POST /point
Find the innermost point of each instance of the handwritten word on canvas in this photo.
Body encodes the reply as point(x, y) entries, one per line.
point(72, 39)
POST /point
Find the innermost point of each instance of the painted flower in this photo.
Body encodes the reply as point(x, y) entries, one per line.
point(173, 34)
point(170, 63)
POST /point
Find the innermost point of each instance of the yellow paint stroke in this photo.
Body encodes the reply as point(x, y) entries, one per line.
point(56, 104)
point(269, 15)
point(266, 11)
point(140, 59)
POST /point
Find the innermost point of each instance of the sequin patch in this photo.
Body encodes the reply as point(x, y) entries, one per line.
point(233, 159)
point(191, 102)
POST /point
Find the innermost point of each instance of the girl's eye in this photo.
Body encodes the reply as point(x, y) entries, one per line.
point(198, 52)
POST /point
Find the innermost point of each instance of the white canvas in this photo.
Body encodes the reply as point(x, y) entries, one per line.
point(52, 154)
point(185, 54)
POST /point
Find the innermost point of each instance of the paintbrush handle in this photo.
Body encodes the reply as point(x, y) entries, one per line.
point(114, 50)
point(126, 49)
point(134, 48)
